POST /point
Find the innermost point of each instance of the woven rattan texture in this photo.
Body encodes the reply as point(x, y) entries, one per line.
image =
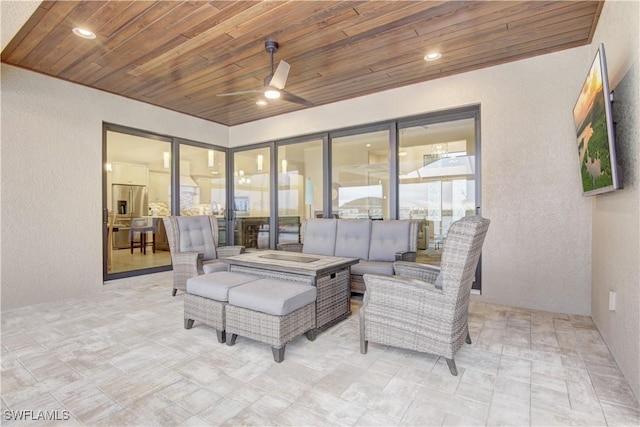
point(205, 310)
point(401, 312)
point(427, 273)
point(333, 297)
point(276, 331)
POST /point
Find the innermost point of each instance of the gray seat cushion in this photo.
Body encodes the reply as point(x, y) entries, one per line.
point(387, 238)
point(272, 296)
point(372, 267)
point(213, 265)
point(196, 236)
point(320, 236)
point(216, 285)
point(353, 237)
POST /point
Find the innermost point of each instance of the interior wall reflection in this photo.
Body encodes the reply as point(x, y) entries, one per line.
point(360, 175)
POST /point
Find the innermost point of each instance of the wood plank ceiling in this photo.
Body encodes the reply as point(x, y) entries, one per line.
point(181, 54)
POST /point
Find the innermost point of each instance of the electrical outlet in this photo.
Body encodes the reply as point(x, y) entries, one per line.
point(612, 300)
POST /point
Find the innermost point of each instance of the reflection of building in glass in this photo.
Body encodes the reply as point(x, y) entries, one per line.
point(440, 192)
point(360, 201)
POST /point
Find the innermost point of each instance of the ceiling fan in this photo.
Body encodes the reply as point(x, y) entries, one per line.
point(274, 82)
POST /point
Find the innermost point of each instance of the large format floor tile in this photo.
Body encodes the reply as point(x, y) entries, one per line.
point(122, 357)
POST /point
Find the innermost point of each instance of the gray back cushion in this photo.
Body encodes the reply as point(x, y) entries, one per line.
point(196, 236)
point(387, 238)
point(353, 237)
point(320, 236)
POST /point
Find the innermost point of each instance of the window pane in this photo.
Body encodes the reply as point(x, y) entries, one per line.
point(137, 199)
point(203, 184)
point(299, 188)
point(437, 180)
point(252, 195)
point(360, 176)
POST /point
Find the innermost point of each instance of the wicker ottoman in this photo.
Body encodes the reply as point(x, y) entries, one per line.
point(207, 296)
point(271, 311)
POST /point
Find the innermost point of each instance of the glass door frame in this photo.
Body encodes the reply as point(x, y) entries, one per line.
point(110, 127)
point(175, 167)
point(326, 177)
point(469, 112)
point(393, 126)
point(230, 213)
point(389, 126)
point(175, 143)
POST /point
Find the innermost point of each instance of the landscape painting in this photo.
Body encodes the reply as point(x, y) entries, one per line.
point(590, 117)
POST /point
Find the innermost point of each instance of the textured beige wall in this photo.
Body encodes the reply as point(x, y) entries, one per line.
point(538, 250)
point(51, 177)
point(616, 216)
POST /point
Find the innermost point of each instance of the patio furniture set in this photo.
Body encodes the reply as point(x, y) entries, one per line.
point(275, 296)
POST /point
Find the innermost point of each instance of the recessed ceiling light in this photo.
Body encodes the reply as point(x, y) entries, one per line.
point(85, 34)
point(261, 102)
point(432, 56)
point(368, 145)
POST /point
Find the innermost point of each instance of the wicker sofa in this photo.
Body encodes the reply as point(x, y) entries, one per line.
point(377, 244)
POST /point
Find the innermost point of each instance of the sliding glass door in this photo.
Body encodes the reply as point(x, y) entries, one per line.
point(360, 175)
point(251, 197)
point(421, 168)
point(140, 188)
point(437, 179)
point(300, 188)
point(136, 197)
point(203, 184)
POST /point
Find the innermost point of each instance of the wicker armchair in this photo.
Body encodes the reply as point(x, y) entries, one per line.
point(425, 308)
point(193, 241)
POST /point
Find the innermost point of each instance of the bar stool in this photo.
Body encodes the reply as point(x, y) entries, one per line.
point(142, 226)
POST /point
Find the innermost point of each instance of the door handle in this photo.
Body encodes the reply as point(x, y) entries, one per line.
point(105, 215)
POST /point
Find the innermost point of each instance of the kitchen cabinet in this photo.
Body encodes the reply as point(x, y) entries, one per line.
point(129, 173)
point(159, 185)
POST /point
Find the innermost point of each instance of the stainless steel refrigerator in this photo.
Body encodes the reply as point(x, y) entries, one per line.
point(129, 201)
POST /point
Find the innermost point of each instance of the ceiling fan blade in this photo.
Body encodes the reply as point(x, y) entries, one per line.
point(279, 78)
point(241, 92)
point(294, 98)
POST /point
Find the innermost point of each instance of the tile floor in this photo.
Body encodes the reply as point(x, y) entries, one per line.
point(124, 260)
point(122, 358)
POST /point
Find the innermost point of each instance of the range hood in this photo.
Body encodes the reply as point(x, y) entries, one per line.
point(185, 175)
point(187, 181)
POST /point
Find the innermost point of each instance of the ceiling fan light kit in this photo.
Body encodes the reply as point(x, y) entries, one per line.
point(271, 93)
point(274, 82)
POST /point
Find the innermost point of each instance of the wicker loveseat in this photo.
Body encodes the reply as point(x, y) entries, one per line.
point(377, 244)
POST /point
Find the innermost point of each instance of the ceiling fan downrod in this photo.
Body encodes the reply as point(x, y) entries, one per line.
point(271, 47)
